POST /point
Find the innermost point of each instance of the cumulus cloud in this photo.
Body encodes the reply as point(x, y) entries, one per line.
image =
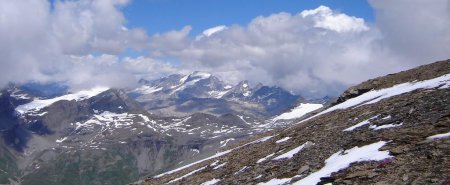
point(325, 18)
point(320, 51)
point(45, 44)
point(314, 52)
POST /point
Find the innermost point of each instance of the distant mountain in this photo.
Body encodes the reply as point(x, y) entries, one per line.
point(202, 92)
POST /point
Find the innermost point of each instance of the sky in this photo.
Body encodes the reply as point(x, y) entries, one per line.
point(158, 16)
point(313, 48)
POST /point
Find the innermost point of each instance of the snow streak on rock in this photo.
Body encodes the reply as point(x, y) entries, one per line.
point(439, 136)
point(343, 159)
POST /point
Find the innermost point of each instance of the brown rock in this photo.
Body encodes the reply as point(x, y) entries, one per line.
point(366, 173)
point(303, 169)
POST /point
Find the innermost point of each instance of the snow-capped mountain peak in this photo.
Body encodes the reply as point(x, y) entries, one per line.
point(197, 89)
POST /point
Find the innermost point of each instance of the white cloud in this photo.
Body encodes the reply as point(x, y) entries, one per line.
point(38, 43)
point(417, 30)
point(315, 52)
point(149, 68)
point(325, 18)
point(87, 26)
point(210, 31)
point(290, 51)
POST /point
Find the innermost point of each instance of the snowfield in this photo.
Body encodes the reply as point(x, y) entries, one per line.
point(297, 112)
point(36, 105)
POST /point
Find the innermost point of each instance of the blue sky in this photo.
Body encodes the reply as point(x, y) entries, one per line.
point(158, 16)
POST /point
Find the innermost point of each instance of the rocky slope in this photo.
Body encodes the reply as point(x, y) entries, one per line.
point(390, 130)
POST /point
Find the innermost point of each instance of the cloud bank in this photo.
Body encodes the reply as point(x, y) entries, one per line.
point(314, 52)
point(46, 44)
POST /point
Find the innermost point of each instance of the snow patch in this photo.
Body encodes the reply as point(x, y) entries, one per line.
point(61, 140)
point(360, 124)
point(265, 158)
point(217, 94)
point(374, 127)
point(241, 170)
point(213, 157)
point(145, 118)
point(187, 175)
point(225, 142)
point(197, 77)
point(299, 111)
point(264, 139)
point(276, 181)
point(194, 163)
point(342, 159)
point(247, 93)
point(283, 140)
point(292, 152)
point(182, 80)
point(439, 136)
point(211, 182)
point(219, 166)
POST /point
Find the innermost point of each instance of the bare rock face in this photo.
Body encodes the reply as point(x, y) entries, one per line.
point(401, 139)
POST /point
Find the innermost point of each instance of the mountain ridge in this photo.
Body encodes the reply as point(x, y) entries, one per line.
point(177, 94)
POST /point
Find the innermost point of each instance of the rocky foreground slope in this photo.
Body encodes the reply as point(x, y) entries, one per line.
point(390, 130)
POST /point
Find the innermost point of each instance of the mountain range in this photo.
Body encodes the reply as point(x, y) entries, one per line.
point(182, 95)
point(116, 136)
